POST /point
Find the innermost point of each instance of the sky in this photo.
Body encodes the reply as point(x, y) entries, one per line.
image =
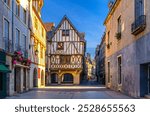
point(86, 15)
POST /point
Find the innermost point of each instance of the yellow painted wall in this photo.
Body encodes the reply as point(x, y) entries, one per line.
point(39, 35)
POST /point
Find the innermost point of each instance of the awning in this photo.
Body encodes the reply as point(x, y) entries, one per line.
point(4, 69)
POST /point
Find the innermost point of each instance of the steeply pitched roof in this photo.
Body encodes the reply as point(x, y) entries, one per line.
point(49, 26)
point(81, 35)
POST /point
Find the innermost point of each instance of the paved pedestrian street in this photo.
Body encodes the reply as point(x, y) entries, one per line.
point(71, 92)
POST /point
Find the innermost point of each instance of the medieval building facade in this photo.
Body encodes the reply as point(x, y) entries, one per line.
point(100, 61)
point(66, 50)
point(90, 67)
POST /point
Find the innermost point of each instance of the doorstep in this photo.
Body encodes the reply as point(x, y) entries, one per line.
point(147, 96)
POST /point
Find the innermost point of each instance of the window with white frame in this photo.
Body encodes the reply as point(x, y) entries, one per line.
point(119, 70)
point(6, 33)
point(24, 16)
point(24, 44)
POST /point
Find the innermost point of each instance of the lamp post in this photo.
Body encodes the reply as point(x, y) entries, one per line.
point(36, 52)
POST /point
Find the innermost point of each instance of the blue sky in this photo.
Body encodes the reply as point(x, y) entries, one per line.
point(86, 15)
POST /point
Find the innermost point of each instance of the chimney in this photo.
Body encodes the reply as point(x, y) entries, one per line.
point(110, 4)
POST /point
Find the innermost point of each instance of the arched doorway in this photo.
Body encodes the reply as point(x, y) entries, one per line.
point(67, 78)
point(54, 78)
point(42, 78)
point(35, 78)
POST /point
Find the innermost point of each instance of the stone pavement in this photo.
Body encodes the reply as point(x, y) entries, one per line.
point(71, 92)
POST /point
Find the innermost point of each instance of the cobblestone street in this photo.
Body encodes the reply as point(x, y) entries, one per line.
point(71, 92)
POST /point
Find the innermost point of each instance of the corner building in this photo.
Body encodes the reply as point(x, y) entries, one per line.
point(66, 49)
point(127, 47)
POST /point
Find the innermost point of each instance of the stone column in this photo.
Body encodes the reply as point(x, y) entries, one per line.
point(49, 78)
point(59, 79)
point(27, 79)
point(76, 78)
point(21, 79)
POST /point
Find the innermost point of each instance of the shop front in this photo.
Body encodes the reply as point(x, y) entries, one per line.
point(3, 75)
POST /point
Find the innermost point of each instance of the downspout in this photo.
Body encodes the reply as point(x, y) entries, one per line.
point(29, 35)
point(12, 25)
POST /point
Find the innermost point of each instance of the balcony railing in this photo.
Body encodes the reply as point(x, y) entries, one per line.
point(18, 47)
point(25, 53)
point(139, 25)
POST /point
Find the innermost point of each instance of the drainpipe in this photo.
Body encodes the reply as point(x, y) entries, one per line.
point(29, 31)
point(12, 25)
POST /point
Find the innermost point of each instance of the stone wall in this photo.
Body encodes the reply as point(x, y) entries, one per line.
point(132, 57)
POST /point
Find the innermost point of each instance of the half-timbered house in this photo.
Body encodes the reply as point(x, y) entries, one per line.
point(66, 51)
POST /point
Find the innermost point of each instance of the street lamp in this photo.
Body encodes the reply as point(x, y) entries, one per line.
point(36, 52)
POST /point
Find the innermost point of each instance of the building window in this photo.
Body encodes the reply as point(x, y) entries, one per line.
point(60, 46)
point(6, 34)
point(41, 52)
point(7, 2)
point(65, 59)
point(17, 8)
point(24, 16)
point(36, 23)
point(118, 34)
point(139, 8)
point(65, 32)
point(108, 72)
point(119, 24)
point(108, 40)
point(108, 37)
point(119, 70)
point(24, 42)
point(17, 39)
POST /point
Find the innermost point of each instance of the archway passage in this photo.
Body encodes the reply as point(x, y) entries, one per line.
point(42, 78)
point(35, 78)
point(67, 78)
point(54, 78)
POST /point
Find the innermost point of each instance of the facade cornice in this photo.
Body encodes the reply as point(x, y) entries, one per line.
point(112, 10)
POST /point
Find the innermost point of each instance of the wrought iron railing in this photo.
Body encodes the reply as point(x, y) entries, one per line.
point(25, 52)
point(17, 47)
point(139, 25)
